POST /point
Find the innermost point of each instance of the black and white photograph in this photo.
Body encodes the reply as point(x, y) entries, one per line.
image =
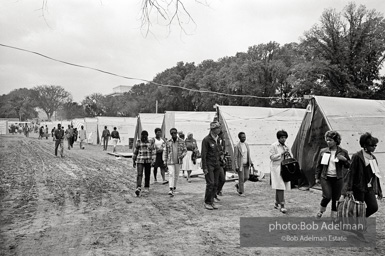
point(200, 127)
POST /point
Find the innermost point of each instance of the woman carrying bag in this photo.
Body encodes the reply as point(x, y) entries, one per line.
point(363, 180)
point(277, 154)
point(330, 171)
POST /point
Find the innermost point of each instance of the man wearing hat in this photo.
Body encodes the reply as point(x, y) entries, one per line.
point(211, 151)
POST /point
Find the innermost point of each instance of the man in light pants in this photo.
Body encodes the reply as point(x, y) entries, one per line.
point(115, 138)
point(172, 157)
point(82, 136)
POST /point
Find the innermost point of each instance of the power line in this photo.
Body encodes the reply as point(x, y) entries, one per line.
point(140, 79)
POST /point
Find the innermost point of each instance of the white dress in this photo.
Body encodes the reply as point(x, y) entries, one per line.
point(277, 182)
point(188, 164)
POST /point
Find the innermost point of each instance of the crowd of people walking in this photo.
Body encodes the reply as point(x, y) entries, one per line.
point(336, 172)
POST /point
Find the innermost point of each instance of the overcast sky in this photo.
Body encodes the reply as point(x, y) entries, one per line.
point(107, 35)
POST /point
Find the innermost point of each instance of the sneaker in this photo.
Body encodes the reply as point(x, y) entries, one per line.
point(137, 192)
point(214, 206)
point(165, 182)
point(209, 207)
point(237, 187)
point(217, 199)
point(241, 194)
point(276, 206)
point(319, 215)
point(283, 210)
point(171, 193)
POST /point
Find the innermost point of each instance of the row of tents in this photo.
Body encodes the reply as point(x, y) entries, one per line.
point(306, 127)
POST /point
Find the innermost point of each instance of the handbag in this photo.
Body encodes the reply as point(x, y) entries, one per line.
point(350, 211)
point(290, 168)
point(254, 175)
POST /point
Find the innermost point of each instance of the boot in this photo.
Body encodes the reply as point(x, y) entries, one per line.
point(321, 211)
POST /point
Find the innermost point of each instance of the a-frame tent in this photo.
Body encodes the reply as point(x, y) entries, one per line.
point(78, 122)
point(198, 123)
point(148, 122)
point(260, 125)
point(350, 117)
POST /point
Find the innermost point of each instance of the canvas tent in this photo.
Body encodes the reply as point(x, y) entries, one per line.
point(260, 126)
point(50, 125)
point(148, 122)
point(350, 117)
point(91, 126)
point(198, 123)
point(3, 127)
point(124, 125)
point(78, 122)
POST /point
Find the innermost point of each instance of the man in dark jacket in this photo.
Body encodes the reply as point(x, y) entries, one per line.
point(59, 140)
point(105, 137)
point(115, 138)
point(211, 151)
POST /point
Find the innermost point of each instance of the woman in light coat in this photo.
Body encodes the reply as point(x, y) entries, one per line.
point(277, 152)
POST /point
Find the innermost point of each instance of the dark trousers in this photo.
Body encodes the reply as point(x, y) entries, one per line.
point(57, 144)
point(159, 164)
point(147, 173)
point(221, 179)
point(105, 143)
point(211, 183)
point(69, 142)
point(370, 200)
point(280, 197)
point(331, 190)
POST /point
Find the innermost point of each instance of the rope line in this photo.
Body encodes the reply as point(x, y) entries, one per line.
point(144, 80)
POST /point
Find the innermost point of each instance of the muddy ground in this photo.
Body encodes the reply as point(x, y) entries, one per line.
point(84, 204)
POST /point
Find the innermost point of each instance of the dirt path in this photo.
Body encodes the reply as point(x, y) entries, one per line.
point(84, 204)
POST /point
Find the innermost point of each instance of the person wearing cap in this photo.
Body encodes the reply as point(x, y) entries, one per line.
point(173, 155)
point(211, 151)
point(242, 162)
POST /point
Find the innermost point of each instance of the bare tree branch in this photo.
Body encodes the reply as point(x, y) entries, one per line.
point(169, 10)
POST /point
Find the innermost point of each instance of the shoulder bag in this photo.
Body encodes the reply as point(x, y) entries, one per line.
point(290, 168)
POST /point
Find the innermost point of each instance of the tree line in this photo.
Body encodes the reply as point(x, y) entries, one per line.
point(340, 56)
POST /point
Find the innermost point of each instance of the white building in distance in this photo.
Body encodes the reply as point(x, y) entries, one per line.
point(118, 90)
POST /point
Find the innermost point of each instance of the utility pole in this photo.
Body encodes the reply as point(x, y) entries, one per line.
point(156, 106)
